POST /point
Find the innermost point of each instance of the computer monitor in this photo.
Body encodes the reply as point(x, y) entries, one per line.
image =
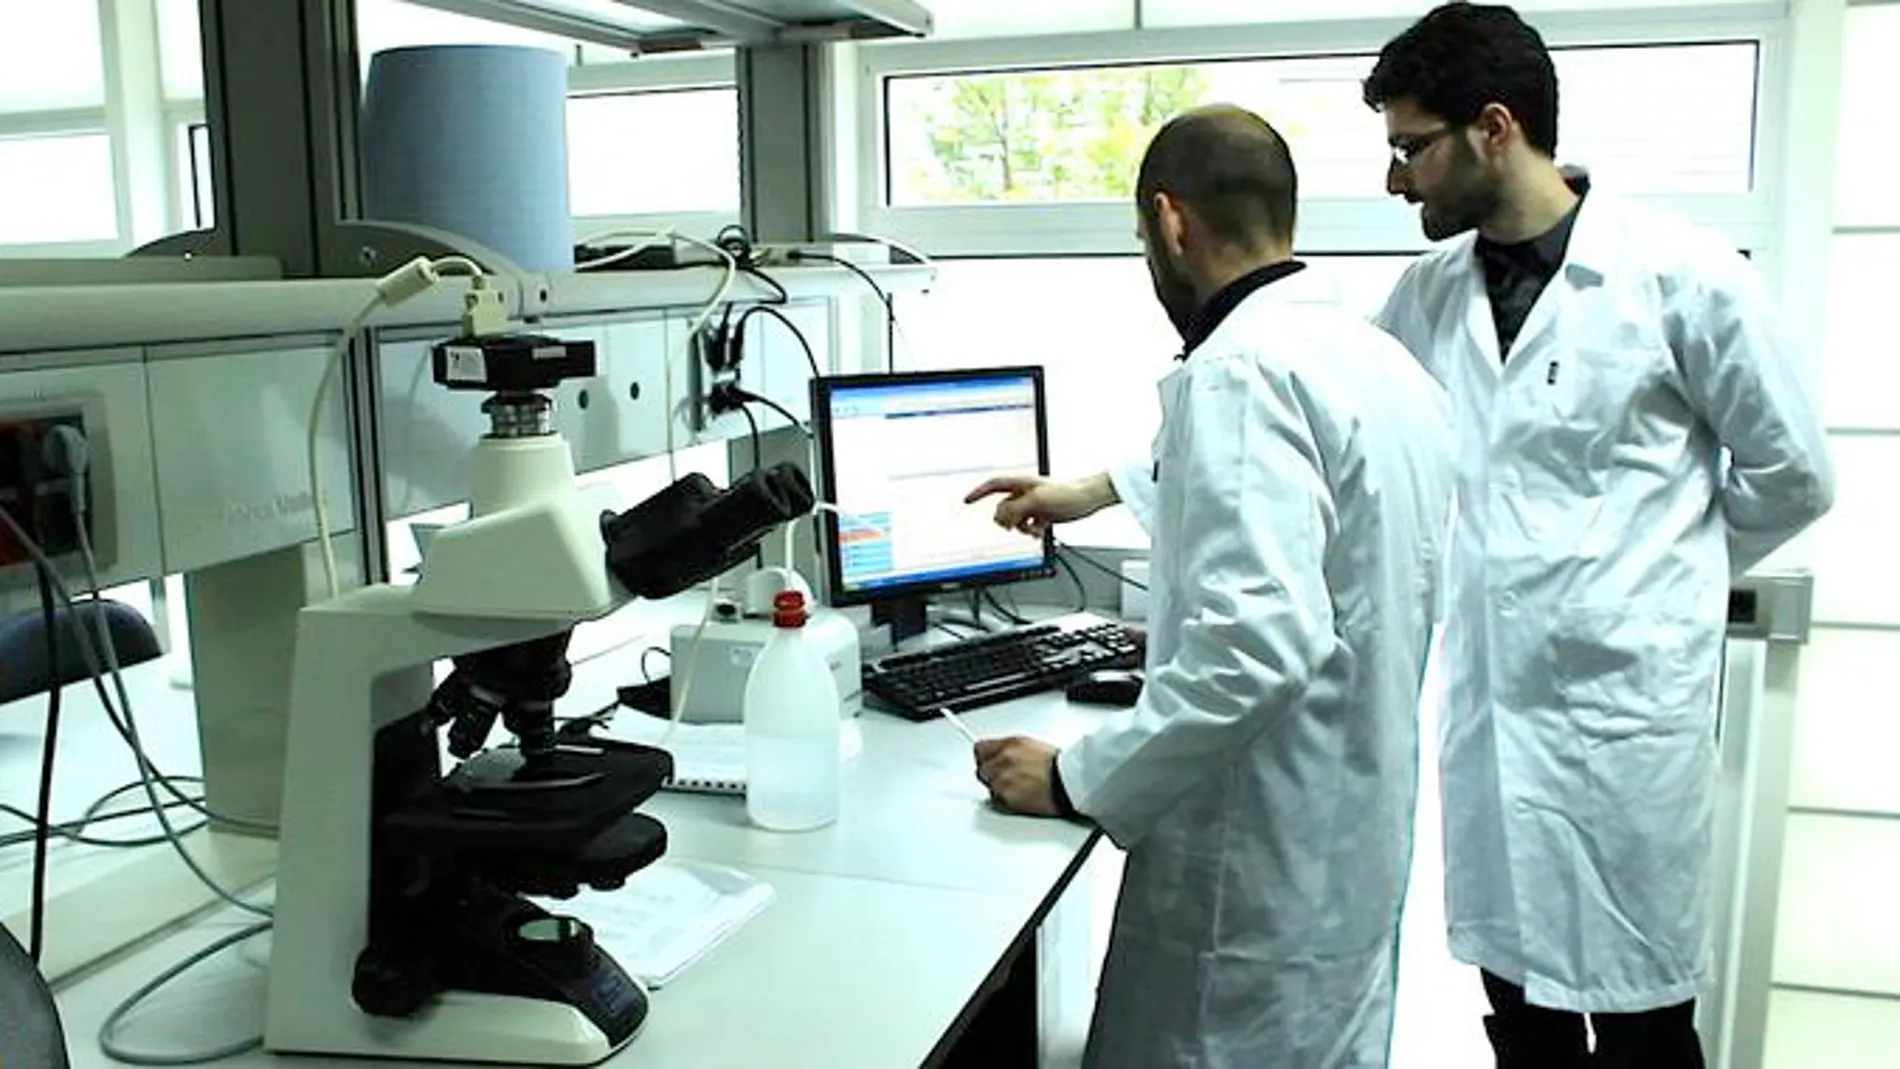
point(896, 454)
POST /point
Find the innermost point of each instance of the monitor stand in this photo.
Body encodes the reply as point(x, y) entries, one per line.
point(908, 617)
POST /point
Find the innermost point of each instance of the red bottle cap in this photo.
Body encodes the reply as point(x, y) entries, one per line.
point(788, 609)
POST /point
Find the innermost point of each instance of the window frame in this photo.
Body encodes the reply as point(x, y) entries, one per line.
point(1335, 225)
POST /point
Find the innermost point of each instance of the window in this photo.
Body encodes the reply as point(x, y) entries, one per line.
point(653, 152)
point(180, 50)
point(1102, 366)
point(1660, 120)
point(998, 18)
point(1217, 12)
point(50, 57)
point(59, 189)
point(1869, 152)
point(1076, 134)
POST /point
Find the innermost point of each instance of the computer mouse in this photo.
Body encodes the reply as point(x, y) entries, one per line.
point(1106, 686)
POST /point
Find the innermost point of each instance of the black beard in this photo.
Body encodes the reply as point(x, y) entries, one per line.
point(1176, 295)
point(1470, 198)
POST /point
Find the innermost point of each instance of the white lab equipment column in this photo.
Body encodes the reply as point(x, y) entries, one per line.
point(1769, 619)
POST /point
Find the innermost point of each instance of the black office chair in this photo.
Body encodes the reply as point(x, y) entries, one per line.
point(24, 666)
point(30, 1032)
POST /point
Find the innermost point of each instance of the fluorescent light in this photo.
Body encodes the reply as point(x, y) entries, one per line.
point(601, 22)
point(625, 23)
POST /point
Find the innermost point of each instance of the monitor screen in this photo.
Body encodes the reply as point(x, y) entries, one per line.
point(898, 454)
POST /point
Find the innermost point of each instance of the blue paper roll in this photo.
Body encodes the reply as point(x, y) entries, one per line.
point(472, 139)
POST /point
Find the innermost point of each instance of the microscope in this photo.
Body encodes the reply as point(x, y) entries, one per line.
point(402, 930)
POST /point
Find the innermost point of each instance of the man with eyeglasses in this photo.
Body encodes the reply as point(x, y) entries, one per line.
point(1633, 430)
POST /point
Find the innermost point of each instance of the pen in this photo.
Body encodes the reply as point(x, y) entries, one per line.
point(957, 723)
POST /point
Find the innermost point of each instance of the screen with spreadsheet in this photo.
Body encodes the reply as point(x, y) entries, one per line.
point(900, 452)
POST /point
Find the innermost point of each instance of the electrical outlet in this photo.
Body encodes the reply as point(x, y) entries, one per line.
point(715, 369)
point(38, 497)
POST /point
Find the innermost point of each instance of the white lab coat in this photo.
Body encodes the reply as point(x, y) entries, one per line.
point(1264, 784)
point(1598, 525)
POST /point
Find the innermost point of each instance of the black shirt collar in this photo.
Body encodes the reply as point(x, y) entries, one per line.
point(1540, 257)
point(1223, 303)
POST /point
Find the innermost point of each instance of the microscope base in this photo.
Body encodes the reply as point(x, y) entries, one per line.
point(458, 1026)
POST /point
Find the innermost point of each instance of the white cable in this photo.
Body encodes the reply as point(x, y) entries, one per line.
point(646, 240)
point(91, 655)
point(391, 289)
point(331, 371)
point(131, 725)
point(462, 265)
point(676, 707)
point(113, 1050)
point(622, 232)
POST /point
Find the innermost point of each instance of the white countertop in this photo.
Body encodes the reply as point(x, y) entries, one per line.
point(884, 927)
point(844, 972)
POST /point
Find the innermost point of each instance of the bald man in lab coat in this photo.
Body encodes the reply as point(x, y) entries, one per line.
point(1264, 783)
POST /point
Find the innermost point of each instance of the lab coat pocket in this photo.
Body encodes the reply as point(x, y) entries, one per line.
point(1623, 671)
point(1642, 814)
point(1584, 400)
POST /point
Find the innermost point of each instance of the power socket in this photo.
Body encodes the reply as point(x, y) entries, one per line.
point(716, 371)
point(38, 496)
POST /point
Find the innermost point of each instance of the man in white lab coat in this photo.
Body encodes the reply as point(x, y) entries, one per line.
point(1263, 785)
point(1633, 431)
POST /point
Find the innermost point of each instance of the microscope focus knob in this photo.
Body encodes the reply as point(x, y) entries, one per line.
point(389, 984)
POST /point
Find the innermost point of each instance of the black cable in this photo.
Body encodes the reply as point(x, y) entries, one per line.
point(997, 607)
point(74, 830)
point(643, 660)
point(733, 234)
point(960, 620)
point(890, 310)
point(1081, 592)
point(1098, 565)
point(737, 243)
point(749, 397)
point(811, 358)
point(753, 271)
point(55, 688)
point(1009, 592)
point(752, 428)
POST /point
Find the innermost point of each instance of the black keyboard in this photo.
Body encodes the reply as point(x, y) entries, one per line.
point(986, 669)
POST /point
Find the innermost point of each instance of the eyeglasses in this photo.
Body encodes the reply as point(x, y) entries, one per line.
point(1407, 148)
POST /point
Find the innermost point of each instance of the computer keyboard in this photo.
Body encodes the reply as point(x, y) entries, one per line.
point(986, 669)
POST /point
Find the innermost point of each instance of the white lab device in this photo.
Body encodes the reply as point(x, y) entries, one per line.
point(402, 926)
point(363, 663)
point(727, 648)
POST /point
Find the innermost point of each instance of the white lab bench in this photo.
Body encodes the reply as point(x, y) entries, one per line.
point(905, 934)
